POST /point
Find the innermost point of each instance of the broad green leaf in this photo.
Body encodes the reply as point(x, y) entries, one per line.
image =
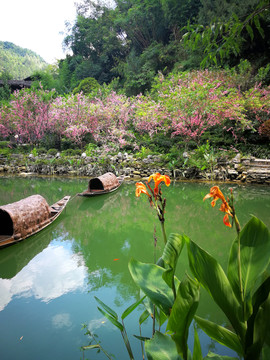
point(259, 298)
point(112, 319)
point(160, 262)
point(235, 17)
point(149, 278)
point(170, 255)
point(197, 350)
point(173, 249)
point(161, 317)
point(220, 334)
point(212, 356)
point(131, 308)
point(258, 25)
point(144, 317)
point(212, 277)
point(254, 250)
point(250, 31)
point(184, 308)
point(161, 347)
point(107, 308)
point(168, 277)
point(259, 326)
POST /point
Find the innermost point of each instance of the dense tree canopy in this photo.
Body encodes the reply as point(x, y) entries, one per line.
point(133, 40)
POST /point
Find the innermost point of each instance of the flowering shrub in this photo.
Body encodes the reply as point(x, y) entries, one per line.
point(199, 100)
point(184, 105)
point(70, 116)
point(257, 104)
point(27, 116)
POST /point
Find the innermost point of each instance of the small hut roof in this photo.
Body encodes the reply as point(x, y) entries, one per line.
point(25, 216)
point(106, 181)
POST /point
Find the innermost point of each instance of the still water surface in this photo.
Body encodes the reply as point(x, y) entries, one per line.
point(48, 282)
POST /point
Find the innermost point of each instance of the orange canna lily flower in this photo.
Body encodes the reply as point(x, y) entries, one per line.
point(141, 188)
point(158, 178)
point(217, 194)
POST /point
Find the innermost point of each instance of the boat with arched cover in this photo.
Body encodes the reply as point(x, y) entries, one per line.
point(103, 184)
point(26, 217)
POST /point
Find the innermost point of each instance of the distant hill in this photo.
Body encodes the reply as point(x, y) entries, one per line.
point(19, 63)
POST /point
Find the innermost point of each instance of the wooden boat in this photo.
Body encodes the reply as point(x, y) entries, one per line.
point(26, 217)
point(103, 184)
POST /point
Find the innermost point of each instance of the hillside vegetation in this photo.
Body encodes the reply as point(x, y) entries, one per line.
point(19, 63)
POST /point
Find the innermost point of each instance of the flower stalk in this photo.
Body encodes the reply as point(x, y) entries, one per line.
point(228, 208)
point(238, 230)
point(155, 197)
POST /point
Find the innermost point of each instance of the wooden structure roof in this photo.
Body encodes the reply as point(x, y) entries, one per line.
point(16, 84)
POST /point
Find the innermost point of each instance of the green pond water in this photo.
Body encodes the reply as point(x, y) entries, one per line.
point(48, 281)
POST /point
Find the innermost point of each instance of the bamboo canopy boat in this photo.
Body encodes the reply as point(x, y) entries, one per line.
point(26, 217)
point(103, 184)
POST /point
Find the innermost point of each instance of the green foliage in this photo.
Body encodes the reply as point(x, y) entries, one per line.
point(18, 62)
point(34, 152)
point(186, 304)
point(48, 79)
point(263, 75)
point(4, 144)
point(226, 36)
point(160, 341)
point(4, 89)
point(143, 153)
point(204, 157)
point(71, 152)
point(255, 242)
point(255, 288)
point(42, 162)
point(91, 149)
point(259, 151)
point(66, 143)
point(5, 151)
point(41, 150)
point(87, 86)
point(52, 152)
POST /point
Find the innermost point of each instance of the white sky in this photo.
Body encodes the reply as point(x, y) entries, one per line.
point(37, 25)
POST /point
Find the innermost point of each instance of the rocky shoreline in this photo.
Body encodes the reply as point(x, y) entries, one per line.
point(243, 170)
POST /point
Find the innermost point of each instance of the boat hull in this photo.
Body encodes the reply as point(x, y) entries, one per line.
point(54, 211)
point(90, 193)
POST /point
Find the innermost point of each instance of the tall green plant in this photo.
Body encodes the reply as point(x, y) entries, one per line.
point(242, 293)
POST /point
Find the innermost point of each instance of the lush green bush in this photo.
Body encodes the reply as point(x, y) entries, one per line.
point(4, 144)
point(5, 152)
point(52, 152)
point(41, 150)
point(87, 86)
point(71, 152)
